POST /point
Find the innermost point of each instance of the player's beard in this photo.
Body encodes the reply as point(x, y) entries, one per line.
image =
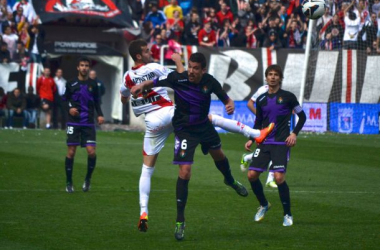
point(84, 73)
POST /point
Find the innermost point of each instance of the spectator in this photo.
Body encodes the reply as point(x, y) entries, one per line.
point(59, 107)
point(213, 19)
point(272, 41)
point(352, 27)
point(367, 34)
point(3, 104)
point(224, 13)
point(28, 10)
point(362, 9)
point(294, 34)
point(173, 47)
point(336, 30)
point(260, 34)
point(23, 34)
point(206, 36)
point(4, 10)
point(18, 15)
point(186, 6)
point(175, 24)
point(191, 30)
point(251, 39)
point(169, 9)
point(16, 105)
point(147, 31)
point(5, 56)
point(378, 41)
point(8, 22)
point(101, 87)
point(46, 90)
point(11, 39)
point(323, 22)
point(157, 17)
point(137, 10)
point(224, 34)
point(156, 48)
point(21, 53)
point(32, 106)
point(36, 46)
point(376, 7)
point(245, 13)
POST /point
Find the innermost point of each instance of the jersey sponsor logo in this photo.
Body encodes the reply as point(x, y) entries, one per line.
point(182, 80)
point(162, 77)
point(278, 166)
point(90, 141)
point(75, 83)
point(262, 98)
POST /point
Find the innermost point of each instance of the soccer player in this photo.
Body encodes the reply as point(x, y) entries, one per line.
point(159, 110)
point(275, 106)
point(247, 158)
point(83, 100)
point(192, 93)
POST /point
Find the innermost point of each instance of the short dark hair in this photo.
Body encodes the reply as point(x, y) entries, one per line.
point(84, 59)
point(198, 58)
point(135, 48)
point(276, 68)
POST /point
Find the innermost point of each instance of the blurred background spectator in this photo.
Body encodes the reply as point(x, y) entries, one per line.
point(32, 107)
point(16, 105)
point(59, 107)
point(46, 89)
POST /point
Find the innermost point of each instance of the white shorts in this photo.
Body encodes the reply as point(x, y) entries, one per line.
point(158, 128)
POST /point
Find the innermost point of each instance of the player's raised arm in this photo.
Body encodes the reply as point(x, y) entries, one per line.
point(178, 62)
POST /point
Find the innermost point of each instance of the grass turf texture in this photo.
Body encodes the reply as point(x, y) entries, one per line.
point(333, 181)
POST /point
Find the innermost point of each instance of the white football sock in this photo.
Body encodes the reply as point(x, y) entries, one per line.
point(248, 157)
point(144, 187)
point(234, 126)
point(270, 174)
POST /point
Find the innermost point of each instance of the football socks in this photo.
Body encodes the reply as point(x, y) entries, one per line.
point(69, 163)
point(224, 168)
point(181, 195)
point(257, 189)
point(283, 191)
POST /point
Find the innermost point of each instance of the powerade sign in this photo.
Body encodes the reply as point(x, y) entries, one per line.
point(242, 113)
point(354, 118)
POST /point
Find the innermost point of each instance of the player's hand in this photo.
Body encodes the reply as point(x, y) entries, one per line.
point(100, 120)
point(248, 145)
point(176, 57)
point(73, 112)
point(136, 90)
point(230, 109)
point(291, 140)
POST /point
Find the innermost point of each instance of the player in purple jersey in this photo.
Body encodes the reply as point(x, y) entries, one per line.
point(275, 106)
point(82, 96)
point(192, 93)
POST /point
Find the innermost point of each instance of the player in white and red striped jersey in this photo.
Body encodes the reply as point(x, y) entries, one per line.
point(159, 111)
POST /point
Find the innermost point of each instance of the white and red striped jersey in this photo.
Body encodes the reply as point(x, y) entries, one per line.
point(259, 92)
point(156, 97)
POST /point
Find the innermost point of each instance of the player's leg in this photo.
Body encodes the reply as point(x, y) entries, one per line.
point(211, 143)
point(69, 165)
point(260, 160)
point(233, 126)
point(158, 129)
point(279, 165)
point(73, 140)
point(185, 144)
point(88, 140)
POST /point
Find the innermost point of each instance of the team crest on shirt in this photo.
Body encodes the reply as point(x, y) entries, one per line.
point(205, 89)
point(90, 88)
point(280, 100)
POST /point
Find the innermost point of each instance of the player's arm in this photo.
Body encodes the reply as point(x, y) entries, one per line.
point(125, 94)
point(251, 106)
point(163, 81)
point(217, 89)
point(229, 105)
point(141, 88)
point(98, 109)
point(292, 138)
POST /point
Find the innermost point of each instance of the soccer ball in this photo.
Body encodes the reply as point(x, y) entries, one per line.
point(313, 9)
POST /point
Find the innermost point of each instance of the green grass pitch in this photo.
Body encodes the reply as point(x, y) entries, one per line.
point(333, 180)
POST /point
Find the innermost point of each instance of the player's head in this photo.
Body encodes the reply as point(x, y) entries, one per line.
point(274, 75)
point(140, 52)
point(197, 67)
point(83, 66)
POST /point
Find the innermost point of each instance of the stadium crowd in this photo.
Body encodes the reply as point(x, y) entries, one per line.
point(210, 23)
point(257, 23)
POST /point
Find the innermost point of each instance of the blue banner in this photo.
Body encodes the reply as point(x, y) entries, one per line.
point(354, 118)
